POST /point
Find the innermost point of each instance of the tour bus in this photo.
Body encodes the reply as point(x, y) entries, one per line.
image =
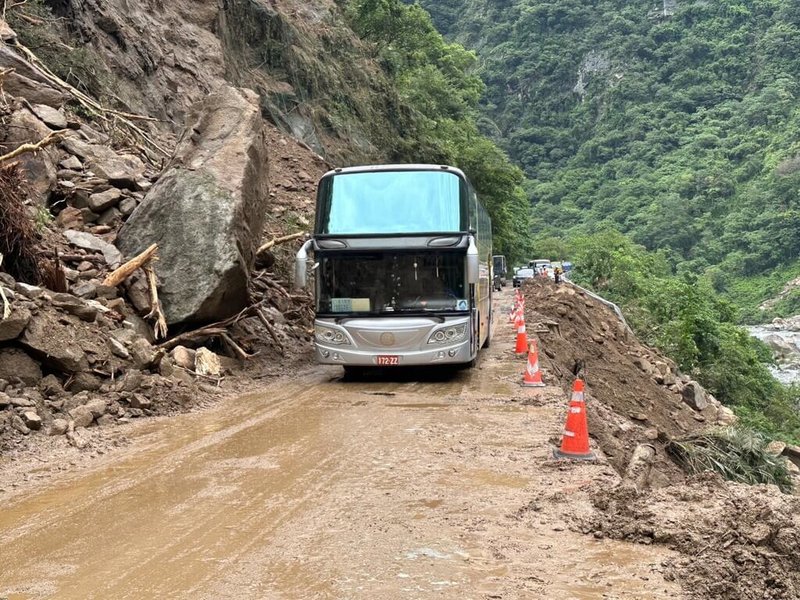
point(402, 267)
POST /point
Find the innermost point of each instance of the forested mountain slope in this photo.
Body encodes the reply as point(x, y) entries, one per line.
point(675, 121)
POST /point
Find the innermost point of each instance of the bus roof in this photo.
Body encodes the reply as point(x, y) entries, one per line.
point(397, 167)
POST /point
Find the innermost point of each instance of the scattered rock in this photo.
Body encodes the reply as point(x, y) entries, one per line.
point(13, 326)
point(32, 420)
point(207, 363)
point(52, 117)
point(81, 416)
point(694, 395)
point(87, 241)
point(104, 200)
point(142, 354)
point(72, 163)
point(85, 382)
point(56, 344)
point(58, 427)
point(120, 169)
point(183, 357)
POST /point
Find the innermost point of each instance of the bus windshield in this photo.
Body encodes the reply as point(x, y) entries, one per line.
point(387, 202)
point(391, 282)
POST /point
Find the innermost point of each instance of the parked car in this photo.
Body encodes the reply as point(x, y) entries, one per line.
point(521, 275)
point(542, 263)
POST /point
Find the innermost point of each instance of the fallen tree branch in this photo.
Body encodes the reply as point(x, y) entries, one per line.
point(279, 240)
point(192, 336)
point(6, 309)
point(214, 329)
point(156, 312)
point(51, 138)
point(233, 346)
point(269, 328)
point(124, 271)
point(88, 102)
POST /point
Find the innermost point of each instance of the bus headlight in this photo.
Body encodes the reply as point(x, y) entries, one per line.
point(449, 335)
point(327, 335)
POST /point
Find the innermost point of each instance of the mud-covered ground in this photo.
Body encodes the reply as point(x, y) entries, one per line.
point(411, 485)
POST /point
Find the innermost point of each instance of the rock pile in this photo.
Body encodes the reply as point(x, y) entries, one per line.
point(67, 363)
point(80, 353)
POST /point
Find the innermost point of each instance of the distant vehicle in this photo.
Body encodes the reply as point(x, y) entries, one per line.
point(500, 271)
point(521, 275)
point(540, 263)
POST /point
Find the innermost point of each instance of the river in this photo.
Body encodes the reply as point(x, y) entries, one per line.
point(783, 336)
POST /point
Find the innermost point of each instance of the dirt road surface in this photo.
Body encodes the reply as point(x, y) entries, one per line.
point(399, 487)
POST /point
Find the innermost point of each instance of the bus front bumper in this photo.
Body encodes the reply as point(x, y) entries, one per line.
point(437, 355)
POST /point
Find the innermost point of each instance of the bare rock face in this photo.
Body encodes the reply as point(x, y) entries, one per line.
point(207, 210)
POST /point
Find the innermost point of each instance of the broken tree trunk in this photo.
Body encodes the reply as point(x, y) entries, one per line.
point(121, 273)
point(279, 240)
point(156, 312)
point(50, 139)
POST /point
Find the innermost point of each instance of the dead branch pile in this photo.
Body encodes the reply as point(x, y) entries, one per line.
point(18, 238)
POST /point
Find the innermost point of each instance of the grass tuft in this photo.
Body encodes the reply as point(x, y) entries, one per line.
point(736, 453)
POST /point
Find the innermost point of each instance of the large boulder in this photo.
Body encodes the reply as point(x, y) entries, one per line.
point(207, 211)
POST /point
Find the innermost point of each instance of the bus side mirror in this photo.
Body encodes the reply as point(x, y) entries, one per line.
point(300, 266)
point(473, 262)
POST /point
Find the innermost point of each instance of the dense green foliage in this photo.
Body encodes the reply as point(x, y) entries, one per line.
point(675, 122)
point(436, 80)
point(688, 321)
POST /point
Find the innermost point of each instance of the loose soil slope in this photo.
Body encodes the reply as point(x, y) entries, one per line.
point(736, 542)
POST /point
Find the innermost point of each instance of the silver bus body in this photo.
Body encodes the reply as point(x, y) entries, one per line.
point(374, 290)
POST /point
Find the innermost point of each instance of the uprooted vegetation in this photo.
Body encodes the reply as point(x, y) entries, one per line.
point(18, 240)
point(737, 454)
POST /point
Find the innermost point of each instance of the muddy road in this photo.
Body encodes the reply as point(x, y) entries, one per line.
point(416, 486)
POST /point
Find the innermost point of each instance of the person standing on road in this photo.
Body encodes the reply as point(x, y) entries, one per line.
point(557, 274)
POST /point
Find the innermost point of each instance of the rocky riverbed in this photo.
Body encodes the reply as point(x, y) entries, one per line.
point(783, 337)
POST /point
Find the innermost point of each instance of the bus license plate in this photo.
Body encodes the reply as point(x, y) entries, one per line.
point(386, 360)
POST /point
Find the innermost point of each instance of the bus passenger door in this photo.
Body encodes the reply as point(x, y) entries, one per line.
point(474, 320)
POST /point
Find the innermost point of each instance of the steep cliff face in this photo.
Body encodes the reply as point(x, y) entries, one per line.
point(315, 79)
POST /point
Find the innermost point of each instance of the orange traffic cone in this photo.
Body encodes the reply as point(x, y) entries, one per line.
point(522, 338)
point(575, 441)
point(513, 315)
point(532, 376)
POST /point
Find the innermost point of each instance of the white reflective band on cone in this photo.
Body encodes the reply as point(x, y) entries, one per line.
point(569, 433)
point(575, 409)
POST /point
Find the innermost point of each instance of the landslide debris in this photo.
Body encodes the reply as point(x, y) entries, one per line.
point(635, 395)
point(736, 542)
point(70, 340)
